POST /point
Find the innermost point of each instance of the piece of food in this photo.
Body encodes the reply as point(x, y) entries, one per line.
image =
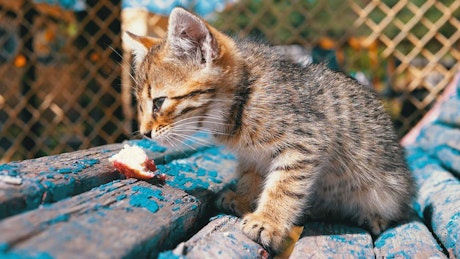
point(133, 162)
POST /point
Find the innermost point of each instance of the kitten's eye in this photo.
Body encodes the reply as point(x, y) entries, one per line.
point(157, 103)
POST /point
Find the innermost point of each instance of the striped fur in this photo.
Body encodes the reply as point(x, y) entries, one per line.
point(312, 143)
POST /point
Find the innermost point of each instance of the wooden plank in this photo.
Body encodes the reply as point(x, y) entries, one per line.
point(449, 158)
point(128, 218)
point(450, 112)
point(409, 240)
point(438, 200)
point(443, 143)
point(221, 238)
point(203, 172)
point(52, 178)
point(436, 135)
point(329, 240)
point(124, 218)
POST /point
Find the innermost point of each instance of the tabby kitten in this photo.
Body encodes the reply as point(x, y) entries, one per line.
point(311, 143)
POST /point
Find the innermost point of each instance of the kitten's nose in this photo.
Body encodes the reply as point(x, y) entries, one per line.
point(147, 134)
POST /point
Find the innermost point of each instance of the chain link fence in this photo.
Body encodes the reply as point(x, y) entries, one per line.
point(59, 78)
point(64, 74)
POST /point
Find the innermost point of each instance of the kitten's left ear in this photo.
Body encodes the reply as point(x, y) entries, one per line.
point(189, 36)
point(140, 45)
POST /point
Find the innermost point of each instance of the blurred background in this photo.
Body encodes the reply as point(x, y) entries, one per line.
point(64, 73)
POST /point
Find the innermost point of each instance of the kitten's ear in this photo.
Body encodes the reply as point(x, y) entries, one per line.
point(188, 36)
point(140, 45)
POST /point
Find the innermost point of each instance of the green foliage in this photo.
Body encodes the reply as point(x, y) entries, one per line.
point(306, 21)
point(286, 22)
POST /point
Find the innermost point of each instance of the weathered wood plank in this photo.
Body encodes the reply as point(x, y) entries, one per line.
point(329, 240)
point(436, 135)
point(443, 143)
point(221, 238)
point(450, 112)
point(409, 240)
point(124, 218)
point(438, 201)
point(449, 158)
point(202, 172)
point(52, 178)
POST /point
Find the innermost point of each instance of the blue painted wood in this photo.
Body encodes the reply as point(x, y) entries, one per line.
point(450, 114)
point(53, 178)
point(329, 240)
point(409, 240)
point(434, 159)
point(438, 201)
point(127, 218)
point(435, 135)
point(130, 218)
point(221, 238)
point(124, 218)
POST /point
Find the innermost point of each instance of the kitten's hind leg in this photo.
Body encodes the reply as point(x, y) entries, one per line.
point(283, 199)
point(243, 200)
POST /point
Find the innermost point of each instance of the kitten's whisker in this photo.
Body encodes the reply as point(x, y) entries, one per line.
point(204, 130)
point(182, 141)
point(173, 145)
point(136, 134)
point(203, 116)
point(121, 56)
point(125, 61)
point(193, 138)
point(193, 126)
point(195, 121)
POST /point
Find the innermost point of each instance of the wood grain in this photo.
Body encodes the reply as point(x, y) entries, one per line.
point(53, 178)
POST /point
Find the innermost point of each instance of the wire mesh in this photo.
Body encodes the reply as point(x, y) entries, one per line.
point(59, 78)
point(62, 87)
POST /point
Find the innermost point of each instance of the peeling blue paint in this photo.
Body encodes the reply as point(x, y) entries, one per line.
point(170, 255)
point(108, 187)
point(25, 254)
point(64, 170)
point(381, 240)
point(338, 238)
point(59, 218)
point(121, 197)
point(143, 198)
point(10, 169)
point(148, 144)
point(188, 176)
point(219, 216)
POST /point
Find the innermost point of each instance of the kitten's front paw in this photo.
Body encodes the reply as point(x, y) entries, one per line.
point(264, 231)
point(230, 202)
point(375, 224)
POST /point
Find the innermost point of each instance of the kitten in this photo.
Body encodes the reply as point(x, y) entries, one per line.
point(311, 143)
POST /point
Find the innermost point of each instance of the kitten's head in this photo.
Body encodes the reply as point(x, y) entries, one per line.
point(180, 78)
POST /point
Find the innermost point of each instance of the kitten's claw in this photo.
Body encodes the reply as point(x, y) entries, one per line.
point(263, 231)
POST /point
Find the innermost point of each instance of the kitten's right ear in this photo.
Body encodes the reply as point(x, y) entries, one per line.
point(189, 36)
point(140, 45)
